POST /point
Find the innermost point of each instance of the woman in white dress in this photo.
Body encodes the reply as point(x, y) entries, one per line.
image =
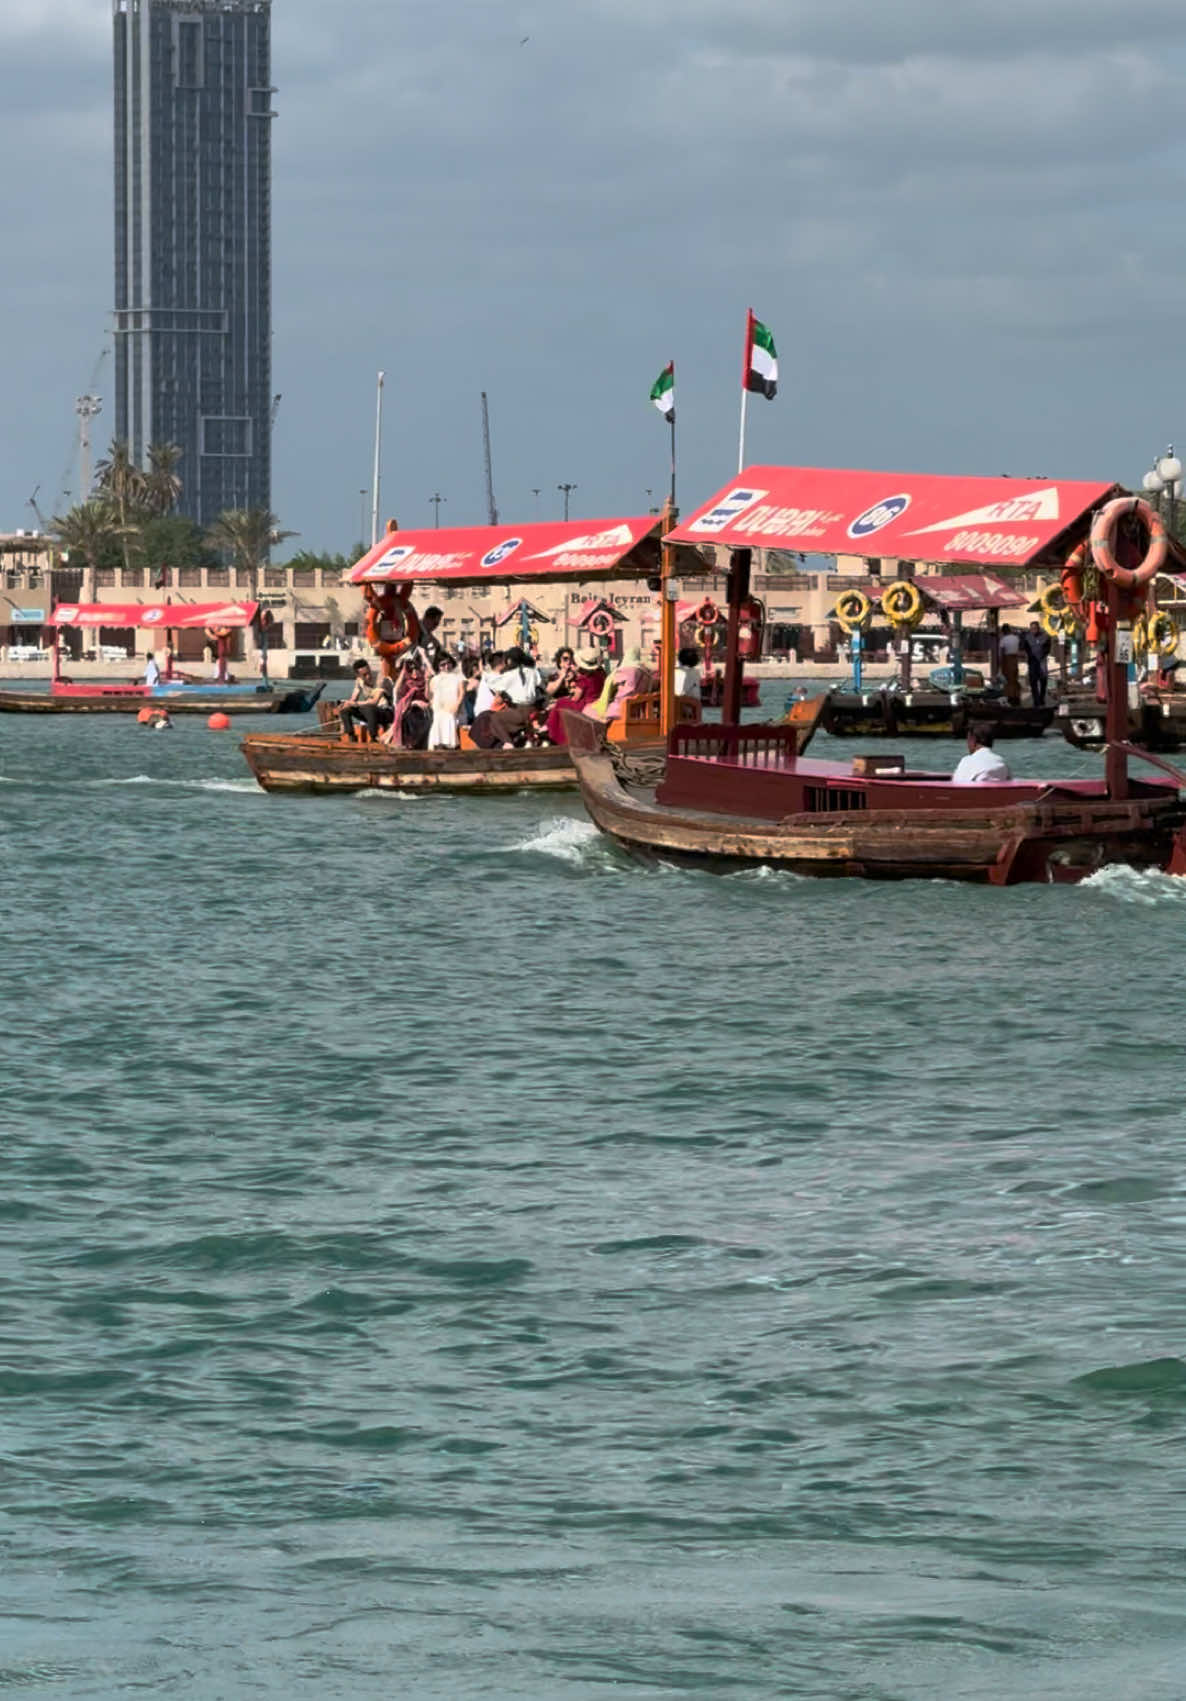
point(444, 694)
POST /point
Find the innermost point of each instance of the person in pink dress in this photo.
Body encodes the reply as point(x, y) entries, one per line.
point(586, 688)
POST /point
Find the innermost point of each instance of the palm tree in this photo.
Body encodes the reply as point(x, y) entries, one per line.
point(246, 535)
point(86, 530)
point(123, 484)
point(162, 485)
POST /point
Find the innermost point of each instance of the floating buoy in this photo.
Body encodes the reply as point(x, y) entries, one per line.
point(145, 716)
point(218, 722)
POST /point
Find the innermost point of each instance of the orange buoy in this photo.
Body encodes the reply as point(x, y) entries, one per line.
point(218, 722)
point(145, 716)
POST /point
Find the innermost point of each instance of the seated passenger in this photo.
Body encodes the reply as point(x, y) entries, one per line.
point(370, 703)
point(586, 687)
point(629, 679)
point(563, 680)
point(982, 761)
point(687, 672)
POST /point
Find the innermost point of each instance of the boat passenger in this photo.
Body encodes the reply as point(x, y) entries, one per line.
point(587, 686)
point(687, 672)
point(564, 679)
point(518, 689)
point(627, 680)
point(152, 671)
point(471, 671)
point(445, 695)
point(496, 661)
point(432, 646)
point(370, 702)
point(413, 717)
point(982, 761)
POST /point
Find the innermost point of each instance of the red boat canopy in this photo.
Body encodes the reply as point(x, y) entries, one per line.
point(969, 590)
point(478, 555)
point(167, 615)
point(907, 516)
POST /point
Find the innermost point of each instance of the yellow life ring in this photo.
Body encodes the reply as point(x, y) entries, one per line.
point(901, 603)
point(853, 611)
point(1058, 622)
point(1052, 600)
point(533, 634)
point(1155, 634)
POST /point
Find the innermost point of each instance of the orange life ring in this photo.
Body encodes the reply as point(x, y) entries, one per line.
point(601, 624)
point(708, 614)
point(1071, 578)
point(1104, 528)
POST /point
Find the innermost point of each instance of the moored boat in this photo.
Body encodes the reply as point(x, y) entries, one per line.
point(178, 694)
point(739, 793)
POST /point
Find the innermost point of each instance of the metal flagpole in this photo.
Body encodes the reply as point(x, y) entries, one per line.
point(749, 319)
point(673, 440)
point(378, 456)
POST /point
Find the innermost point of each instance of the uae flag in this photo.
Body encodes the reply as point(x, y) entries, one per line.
point(761, 360)
point(663, 391)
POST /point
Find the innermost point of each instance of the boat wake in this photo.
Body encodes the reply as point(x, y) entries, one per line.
point(1146, 888)
point(562, 837)
point(242, 786)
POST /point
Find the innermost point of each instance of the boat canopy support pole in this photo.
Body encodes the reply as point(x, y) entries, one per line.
point(740, 562)
point(1116, 697)
point(957, 650)
point(994, 647)
point(668, 592)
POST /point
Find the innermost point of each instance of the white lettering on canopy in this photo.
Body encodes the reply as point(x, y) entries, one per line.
point(1041, 505)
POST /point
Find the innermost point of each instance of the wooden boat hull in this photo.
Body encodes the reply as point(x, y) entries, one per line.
point(1050, 839)
point(926, 714)
point(322, 762)
point(293, 700)
point(1158, 723)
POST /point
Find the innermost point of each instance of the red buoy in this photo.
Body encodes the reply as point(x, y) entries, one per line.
point(218, 722)
point(145, 716)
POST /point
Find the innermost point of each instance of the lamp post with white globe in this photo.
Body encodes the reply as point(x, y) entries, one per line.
point(1163, 481)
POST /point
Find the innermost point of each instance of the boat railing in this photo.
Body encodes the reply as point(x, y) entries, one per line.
point(750, 746)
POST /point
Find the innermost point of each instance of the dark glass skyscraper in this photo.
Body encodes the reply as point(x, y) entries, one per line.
point(193, 267)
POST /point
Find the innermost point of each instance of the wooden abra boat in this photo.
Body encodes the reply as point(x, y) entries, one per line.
point(175, 693)
point(731, 794)
point(575, 551)
point(735, 793)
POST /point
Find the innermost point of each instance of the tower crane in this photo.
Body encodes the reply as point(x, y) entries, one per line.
point(80, 446)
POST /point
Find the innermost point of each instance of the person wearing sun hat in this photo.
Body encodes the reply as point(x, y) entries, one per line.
point(586, 689)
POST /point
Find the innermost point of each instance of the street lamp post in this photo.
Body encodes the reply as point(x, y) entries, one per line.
point(568, 490)
point(1163, 481)
point(436, 499)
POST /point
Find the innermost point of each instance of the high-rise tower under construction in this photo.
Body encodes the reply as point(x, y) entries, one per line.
point(193, 321)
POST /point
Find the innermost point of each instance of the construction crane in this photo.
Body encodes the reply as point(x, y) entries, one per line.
point(276, 400)
point(491, 509)
point(80, 443)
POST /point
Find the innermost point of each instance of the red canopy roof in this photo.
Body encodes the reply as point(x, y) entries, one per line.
point(478, 555)
point(909, 516)
point(968, 590)
point(166, 615)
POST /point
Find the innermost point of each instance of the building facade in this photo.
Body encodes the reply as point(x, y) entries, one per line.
point(193, 320)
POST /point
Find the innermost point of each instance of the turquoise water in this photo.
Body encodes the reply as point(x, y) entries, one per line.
point(443, 1258)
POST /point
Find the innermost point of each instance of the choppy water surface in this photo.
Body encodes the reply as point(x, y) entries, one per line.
point(443, 1258)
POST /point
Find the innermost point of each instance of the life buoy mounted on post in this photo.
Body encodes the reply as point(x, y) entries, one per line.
point(751, 620)
point(853, 611)
point(901, 603)
point(708, 614)
point(601, 624)
point(1105, 531)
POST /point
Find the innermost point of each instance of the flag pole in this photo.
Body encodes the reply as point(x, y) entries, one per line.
point(378, 459)
point(673, 441)
point(749, 321)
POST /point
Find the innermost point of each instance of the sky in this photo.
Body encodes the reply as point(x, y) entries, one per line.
point(962, 223)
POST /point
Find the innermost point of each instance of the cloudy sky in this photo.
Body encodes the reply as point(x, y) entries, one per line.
point(963, 223)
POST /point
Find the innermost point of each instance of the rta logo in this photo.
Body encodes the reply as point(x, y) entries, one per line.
point(881, 514)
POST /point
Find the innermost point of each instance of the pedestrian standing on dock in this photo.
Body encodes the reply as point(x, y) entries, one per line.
point(1036, 645)
point(152, 671)
point(1010, 651)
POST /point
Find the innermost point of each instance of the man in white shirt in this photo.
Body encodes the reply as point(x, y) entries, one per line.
point(982, 761)
point(1010, 654)
point(152, 672)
